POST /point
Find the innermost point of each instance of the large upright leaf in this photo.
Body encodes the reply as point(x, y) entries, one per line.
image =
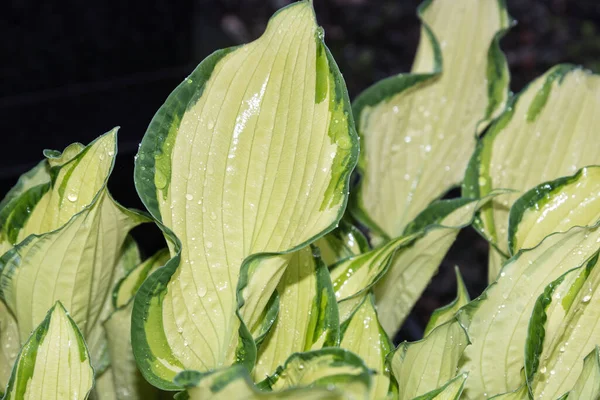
point(363, 335)
point(74, 235)
point(54, 363)
point(419, 129)
point(251, 153)
point(554, 206)
point(424, 366)
point(497, 320)
point(307, 318)
point(547, 132)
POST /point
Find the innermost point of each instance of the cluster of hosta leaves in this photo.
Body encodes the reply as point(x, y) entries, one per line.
point(267, 287)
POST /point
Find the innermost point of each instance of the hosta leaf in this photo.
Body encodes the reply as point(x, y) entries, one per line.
point(38, 175)
point(554, 207)
point(308, 317)
point(588, 383)
point(563, 328)
point(54, 362)
point(127, 287)
point(553, 118)
point(419, 129)
point(234, 382)
point(519, 394)
point(9, 344)
point(497, 320)
point(328, 367)
point(428, 364)
point(251, 153)
point(362, 334)
point(414, 266)
point(353, 277)
point(446, 313)
point(76, 262)
point(343, 242)
point(129, 384)
point(450, 391)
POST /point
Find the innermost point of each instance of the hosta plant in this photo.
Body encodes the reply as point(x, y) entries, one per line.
point(281, 279)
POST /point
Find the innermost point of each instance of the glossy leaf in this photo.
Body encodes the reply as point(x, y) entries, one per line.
point(54, 363)
point(428, 364)
point(308, 317)
point(419, 129)
point(363, 335)
point(251, 153)
point(497, 320)
point(547, 132)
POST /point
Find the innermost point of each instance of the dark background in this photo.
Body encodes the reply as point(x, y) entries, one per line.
point(72, 70)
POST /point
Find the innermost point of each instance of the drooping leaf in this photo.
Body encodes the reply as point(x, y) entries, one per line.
point(497, 320)
point(424, 366)
point(38, 175)
point(563, 327)
point(554, 207)
point(446, 313)
point(54, 363)
point(129, 384)
point(553, 118)
point(251, 153)
point(419, 129)
point(323, 368)
point(343, 242)
point(354, 277)
point(234, 382)
point(363, 335)
point(75, 260)
point(307, 318)
point(9, 344)
point(414, 266)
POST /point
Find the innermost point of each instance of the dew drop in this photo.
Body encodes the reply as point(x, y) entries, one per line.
point(189, 197)
point(72, 197)
point(202, 291)
point(209, 245)
point(586, 298)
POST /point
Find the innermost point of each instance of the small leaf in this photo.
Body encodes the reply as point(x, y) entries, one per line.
point(446, 313)
point(54, 363)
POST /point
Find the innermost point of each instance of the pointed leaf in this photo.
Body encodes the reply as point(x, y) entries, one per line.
point(446, 313)
point(563, 327)
point(419, 129)
point(308, 317)
point(497, 320)
point(251, 153)
point(363, 335)
point(74, 263)
point(554, 117)
point(54, 362)
point(554, 206)
point(426, 365)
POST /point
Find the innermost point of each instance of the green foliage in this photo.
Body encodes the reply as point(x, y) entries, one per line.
point(269, 285)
